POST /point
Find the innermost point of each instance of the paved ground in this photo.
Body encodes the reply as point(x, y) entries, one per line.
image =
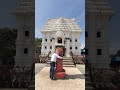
point(74, 80)
point(81, 68)
point(39, 67)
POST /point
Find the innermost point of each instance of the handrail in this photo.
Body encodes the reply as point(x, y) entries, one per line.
point(71, 54)
point(77, 59)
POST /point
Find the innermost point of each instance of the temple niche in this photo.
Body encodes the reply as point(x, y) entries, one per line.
point(61, 32)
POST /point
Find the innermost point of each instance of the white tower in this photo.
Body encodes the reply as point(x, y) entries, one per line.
point(25, 20)
point(98, 14)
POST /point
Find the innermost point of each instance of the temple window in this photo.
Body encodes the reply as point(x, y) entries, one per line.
point(75, 47)
point(75, 40)
point(46, 40)
point(25, 50)
point(27, 33)
point(99, 52)
point(45, 47)
point(98, 34)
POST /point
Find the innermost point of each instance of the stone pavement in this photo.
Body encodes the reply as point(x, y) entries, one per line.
point(74, 80)
point(39, 67)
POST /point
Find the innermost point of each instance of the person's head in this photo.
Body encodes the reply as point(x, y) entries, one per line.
point(59, 50)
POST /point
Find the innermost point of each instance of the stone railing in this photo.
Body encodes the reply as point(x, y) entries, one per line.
point(15, 76)
point(41, 58)
point(77, 59)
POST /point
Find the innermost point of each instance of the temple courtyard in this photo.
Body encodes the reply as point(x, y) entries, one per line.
point(74, 80)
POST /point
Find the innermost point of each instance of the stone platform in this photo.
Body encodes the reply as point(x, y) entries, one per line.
point(74, 80)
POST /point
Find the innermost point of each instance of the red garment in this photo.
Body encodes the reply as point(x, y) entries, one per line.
point(59, 71)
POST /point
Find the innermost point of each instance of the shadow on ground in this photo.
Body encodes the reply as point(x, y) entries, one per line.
point(80, 76)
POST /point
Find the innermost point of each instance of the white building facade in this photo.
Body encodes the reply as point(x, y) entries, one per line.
point(61, 32)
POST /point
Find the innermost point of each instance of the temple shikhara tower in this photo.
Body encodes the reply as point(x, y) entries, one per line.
point(25, 19)
point(61, 32)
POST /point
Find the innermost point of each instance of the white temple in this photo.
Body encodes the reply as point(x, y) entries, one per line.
point(62, 32)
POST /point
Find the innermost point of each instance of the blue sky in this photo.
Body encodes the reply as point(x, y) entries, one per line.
point(45, 9)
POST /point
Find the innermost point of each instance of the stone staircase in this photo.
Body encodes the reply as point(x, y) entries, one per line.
point(67, 62)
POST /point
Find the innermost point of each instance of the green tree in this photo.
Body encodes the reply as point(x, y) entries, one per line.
point(38, 42)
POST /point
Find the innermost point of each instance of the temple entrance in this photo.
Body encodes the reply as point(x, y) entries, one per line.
point(59, 40)
point(64, 49)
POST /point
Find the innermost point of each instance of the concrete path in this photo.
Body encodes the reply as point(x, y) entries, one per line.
point(74, 80)
point(39, 67)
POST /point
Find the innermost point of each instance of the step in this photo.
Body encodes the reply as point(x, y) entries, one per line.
point(64, 63)
point(62, 59)
point(68, 65)
point(67, 59)
point(48, 65)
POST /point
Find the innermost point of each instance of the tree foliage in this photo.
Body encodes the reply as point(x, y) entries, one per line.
point(38, 42)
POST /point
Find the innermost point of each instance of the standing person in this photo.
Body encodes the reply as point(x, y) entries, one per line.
point(53, 61)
